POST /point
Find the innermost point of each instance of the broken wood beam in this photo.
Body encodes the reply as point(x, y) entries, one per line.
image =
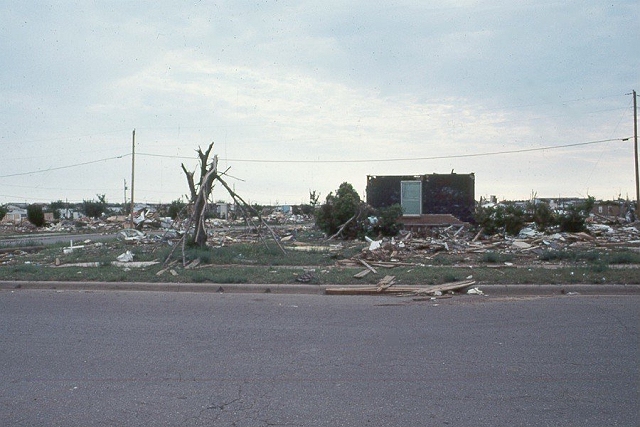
point(477, 236)
point(413, 290)
point(342, 227)
point(453, 286)
point(363, 262)
point(385, 283)
point(361, 274)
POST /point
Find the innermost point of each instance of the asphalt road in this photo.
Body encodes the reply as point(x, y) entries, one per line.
point(70, 358)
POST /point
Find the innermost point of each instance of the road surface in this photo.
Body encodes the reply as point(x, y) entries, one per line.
point(70, 358)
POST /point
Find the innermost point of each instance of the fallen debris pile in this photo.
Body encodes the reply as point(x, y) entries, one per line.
point(467, 244)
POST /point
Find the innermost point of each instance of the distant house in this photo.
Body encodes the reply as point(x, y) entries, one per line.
point(14, 215)
point(67, 213)
point(423, 195)
point(222, 210)
point(615, 209)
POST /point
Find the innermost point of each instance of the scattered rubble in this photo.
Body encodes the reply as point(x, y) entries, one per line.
point(409, 249)
point(376, 258)
point(468, 244)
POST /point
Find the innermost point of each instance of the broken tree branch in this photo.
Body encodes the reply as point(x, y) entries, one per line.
point(343, 226)
point(251, 209)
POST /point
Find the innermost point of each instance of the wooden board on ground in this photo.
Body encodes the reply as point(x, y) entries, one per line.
point(407, 289)
point(361, 274)
point(385, 283)
point(373, 270)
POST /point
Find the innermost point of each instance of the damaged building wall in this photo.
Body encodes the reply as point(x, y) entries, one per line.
point(440, 193)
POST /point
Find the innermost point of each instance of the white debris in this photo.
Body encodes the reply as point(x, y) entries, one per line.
point(528, 233)
point(475, 291)
point(373, 244)
point(125, 257)
point(602, 228)
point(521, 245)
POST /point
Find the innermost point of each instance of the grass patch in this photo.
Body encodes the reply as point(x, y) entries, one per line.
point(266, 264)
point(493, 257)
point(624, 257)
point(592, 257)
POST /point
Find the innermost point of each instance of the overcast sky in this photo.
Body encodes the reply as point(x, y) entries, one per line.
point(304, 95)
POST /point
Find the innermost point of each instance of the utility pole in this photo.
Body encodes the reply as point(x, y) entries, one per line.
point(133, 164)
point(635, 141)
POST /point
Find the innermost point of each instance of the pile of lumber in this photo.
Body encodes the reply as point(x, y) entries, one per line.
point(386, 286)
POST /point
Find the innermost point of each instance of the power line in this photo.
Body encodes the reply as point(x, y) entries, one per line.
point(454, 156)
point(65, 167)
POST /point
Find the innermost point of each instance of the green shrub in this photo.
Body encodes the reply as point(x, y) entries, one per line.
point(340, 208)
point(388, 224)
point(507, 217)
point(56, 207)
point(542, 215)
point(175, 208)
point(485, 217)
point(513, 219)
point(35, 215)
point(573, 219)
point(93, 208)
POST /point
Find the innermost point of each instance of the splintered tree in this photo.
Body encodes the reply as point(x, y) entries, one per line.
point(200, 192)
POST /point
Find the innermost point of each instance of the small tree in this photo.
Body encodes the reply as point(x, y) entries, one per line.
point(485, 217)
point(95, 209)
point(573, 219)
point(388, 224)
point(508, 217)
point(35, 215)
point(314, 197)
point(341, 210)
point(3, 212)
point(175, 208)
point(55, 208)
point(513, 217)
point(542, 214)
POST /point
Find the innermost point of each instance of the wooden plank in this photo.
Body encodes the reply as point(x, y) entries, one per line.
point(361, 274)
point(417, 290)
point(363, 262)
point(454, 286)
point(385, 283)
point(392, 264)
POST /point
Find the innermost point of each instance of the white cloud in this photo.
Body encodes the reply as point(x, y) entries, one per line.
point(317, 82)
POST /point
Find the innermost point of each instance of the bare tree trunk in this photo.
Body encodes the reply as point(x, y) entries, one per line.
point(200, 193)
